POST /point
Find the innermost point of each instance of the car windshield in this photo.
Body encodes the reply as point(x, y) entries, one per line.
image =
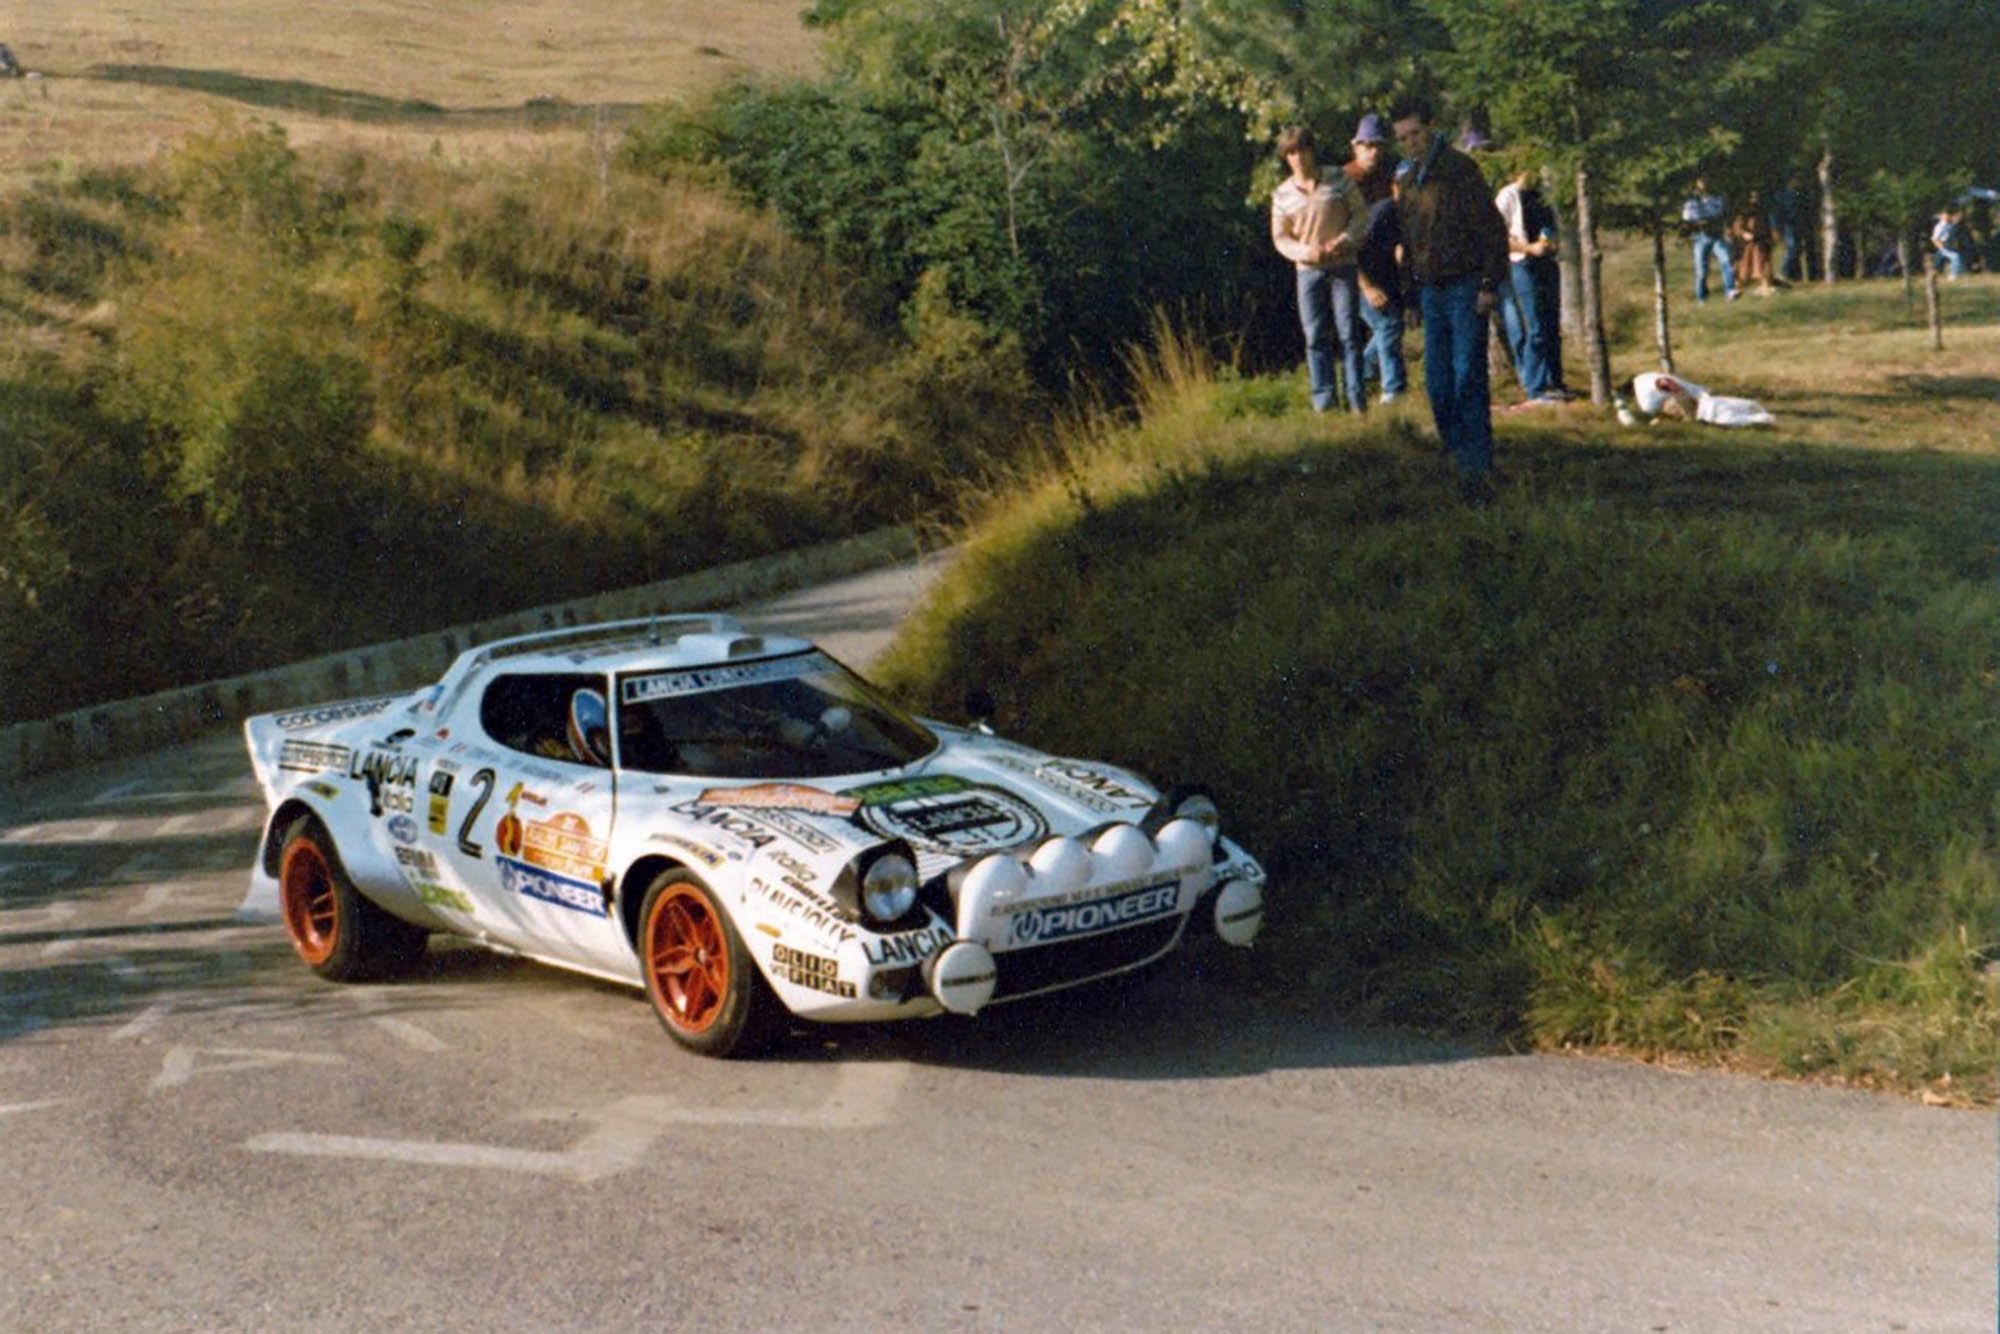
point(803, 716)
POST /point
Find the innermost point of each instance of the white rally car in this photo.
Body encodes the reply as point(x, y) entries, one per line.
point(732, 821)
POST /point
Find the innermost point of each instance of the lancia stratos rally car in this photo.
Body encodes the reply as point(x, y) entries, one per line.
point(734, 822)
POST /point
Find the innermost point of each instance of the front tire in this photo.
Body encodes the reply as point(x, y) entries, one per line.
point(704, 985)
point(337, 931)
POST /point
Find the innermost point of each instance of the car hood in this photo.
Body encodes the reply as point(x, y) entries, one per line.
point(969, 798)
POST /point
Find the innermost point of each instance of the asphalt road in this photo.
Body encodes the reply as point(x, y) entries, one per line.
point(197, 1134)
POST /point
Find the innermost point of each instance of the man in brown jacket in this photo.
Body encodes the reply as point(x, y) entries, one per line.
point(1455, 247)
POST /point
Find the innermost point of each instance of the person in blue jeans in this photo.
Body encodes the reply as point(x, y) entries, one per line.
point(1705, 218)
point(1381, 284)
point(1531, 299)
point(1318, 222)
point(1455, 249)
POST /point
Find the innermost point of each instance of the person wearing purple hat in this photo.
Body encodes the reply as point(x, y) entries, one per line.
point(1455, 249)
point(1318, 223)
point(1374, 175)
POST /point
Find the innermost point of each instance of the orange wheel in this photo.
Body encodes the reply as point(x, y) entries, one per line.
point(700, 978)
point(687, 958)
point(339, 933)
point(311, 901)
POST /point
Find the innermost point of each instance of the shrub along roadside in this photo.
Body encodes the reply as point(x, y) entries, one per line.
point(1680, 749)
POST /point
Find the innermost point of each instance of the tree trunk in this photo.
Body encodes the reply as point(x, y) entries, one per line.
point(1570, 257)
point(1662, 339)
point(1829, 218)
point(1931, 305)
point(1591, 271)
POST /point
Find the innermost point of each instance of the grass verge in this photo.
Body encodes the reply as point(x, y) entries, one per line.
point(1686, 746)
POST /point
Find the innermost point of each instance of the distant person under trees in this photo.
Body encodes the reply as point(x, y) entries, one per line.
point(1948, 242)
point(1752, 230)
point(1702, 218)
point(1531, 301)
point(10, 68)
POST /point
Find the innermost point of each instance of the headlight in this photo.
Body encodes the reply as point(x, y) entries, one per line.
point(888, 887)
point(1183, 801)
point(1201, 808)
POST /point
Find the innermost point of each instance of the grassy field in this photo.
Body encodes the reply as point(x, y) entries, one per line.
point(466, 79)
point(1685, 747)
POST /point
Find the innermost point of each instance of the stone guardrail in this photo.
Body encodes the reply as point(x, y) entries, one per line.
point(133, 726)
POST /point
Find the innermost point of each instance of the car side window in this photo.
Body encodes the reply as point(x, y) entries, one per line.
point(531, 712)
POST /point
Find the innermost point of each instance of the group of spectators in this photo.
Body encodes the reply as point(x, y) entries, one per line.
point(1416, 232)
point(1419, 233)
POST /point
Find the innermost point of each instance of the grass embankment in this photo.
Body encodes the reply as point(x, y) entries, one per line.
point(257, 403)
point(1687, 745)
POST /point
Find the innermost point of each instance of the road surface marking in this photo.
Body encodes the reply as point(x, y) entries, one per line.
point(409, 1034)
point(863, 1096)
point(185, 1063)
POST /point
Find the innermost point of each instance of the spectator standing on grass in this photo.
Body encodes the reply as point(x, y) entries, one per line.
point(1752, 230)
point(1702, 218)
point(1455, 249)
point(1531, 299)
point(1319, 222)
point(1381, 283)
point(1788, 220)
point(1948, 240)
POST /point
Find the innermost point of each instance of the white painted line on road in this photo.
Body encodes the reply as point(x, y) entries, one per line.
point(185, 1063)
point(64, 831)
point(144, 1021)
point(410, 1034)
point(862, 1096)
point(422, 1153)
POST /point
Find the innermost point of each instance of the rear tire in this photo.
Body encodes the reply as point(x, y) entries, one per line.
point(704, 985)
point(337, 931)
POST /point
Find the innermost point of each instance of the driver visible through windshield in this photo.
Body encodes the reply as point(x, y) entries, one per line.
point(803, 716)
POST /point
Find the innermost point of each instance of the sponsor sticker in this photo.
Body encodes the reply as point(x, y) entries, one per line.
point(518, 877)
point(444, 775)
point(403, 829)
point(815, 971)
point(945, 813)
point(314, 757)
point(699, 680)
point(331, 713)
point(782, 797)
point(1038, 925)
point(437, 896)
point(563, 843)
point(908, 948)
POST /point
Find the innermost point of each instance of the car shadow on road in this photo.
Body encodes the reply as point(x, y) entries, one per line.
point(1179, 1019)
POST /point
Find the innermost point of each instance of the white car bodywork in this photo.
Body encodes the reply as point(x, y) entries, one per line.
point(1037, 872)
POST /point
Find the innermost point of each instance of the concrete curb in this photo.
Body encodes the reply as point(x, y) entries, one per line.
point(133, 726)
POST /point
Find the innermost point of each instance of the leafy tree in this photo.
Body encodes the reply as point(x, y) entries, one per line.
point(1619, 99)
point(1891, 136)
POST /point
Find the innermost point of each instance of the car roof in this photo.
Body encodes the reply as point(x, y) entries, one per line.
point(651, 644)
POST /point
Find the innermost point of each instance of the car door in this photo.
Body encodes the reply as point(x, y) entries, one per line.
point(523, 820)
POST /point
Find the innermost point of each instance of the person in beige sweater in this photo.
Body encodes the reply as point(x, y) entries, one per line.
point(1318, 221)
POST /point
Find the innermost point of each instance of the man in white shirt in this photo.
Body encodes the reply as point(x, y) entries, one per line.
point(1318, 222)
point(1531, 302)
